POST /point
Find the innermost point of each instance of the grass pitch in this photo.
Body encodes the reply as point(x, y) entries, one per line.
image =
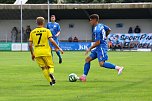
point(22, 80)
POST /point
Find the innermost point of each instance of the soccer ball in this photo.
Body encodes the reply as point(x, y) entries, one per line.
point(73, 77)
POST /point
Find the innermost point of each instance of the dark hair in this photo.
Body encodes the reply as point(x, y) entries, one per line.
point(94, 16)
point(52, 15)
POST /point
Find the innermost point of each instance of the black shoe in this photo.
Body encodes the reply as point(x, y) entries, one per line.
point(52, 83)
point(60, 60)
point(53, 80)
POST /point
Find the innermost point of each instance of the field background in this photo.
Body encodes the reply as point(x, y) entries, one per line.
point(22, 80)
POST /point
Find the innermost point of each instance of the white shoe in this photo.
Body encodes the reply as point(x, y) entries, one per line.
point(120, 70)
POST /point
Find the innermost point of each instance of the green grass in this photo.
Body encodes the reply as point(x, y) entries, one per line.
point(22, 80)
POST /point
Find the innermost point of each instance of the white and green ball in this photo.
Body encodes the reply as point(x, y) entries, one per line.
point(73, 77)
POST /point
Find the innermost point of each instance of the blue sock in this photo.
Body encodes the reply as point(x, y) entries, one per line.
point(109, 65)
point(86, 68)
point(58, 53)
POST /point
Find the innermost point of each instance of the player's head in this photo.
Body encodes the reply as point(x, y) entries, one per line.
point(53, 18)
point(94, 19)
point(40, 21)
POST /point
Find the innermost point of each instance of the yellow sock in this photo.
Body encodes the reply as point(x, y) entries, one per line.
point(46, 74)
point(51, 70)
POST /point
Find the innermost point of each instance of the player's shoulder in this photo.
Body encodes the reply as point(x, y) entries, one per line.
point(38, 29)
point(99, 27)
point(56, 23)
point(102, 26)
point(34, 30)
point(45, 29)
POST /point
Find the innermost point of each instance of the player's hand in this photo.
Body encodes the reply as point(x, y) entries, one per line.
point(87, 51)
point(61, 50)
point(33, 57)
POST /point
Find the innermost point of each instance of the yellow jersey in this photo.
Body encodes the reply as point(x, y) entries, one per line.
point(39, 36)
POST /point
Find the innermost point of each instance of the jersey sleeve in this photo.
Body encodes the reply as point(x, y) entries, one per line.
point(49, 34)
point(106, 28)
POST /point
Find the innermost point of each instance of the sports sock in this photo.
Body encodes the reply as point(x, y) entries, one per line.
point(46, 74)
point(58, 53)
point(86, 68)
point(109, 65)
point(51, 70)
point(117, 67)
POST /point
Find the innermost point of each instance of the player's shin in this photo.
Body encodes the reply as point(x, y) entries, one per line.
point(59, 55)
point(51, 71)
point(85, 72)
point(46, 74)
point(108, 65)
point(86, 68)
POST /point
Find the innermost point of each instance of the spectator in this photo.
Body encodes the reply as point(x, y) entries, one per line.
point(14, 33)
point(117, 44)
point(70, 39)
point(75, 39)
point(130, 30)
point(137, 29)
point(28, 30)
point(23, 36)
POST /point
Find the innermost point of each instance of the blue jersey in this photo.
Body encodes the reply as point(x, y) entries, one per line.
point(54, 28)
point(99, 32)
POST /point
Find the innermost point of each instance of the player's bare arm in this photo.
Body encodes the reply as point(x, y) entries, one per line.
point(93, 46)
point(58, 34)
point(31, 50)
point(54, 43)
point(108, 32)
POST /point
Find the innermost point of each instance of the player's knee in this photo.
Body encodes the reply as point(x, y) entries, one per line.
point(101, 63)
point(88, 59)
point(46, 67)
point(56, 49)
point(42, 68)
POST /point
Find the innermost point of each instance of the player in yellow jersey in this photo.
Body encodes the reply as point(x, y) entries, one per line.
point(40, 49)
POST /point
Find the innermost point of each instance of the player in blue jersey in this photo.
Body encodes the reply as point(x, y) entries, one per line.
point(99, 48)
point(54, 27)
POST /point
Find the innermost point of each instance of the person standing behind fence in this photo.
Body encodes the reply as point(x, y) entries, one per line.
point(54, 27)
point(28, 30)
point(14, 33)
point(130, 30)
point(137, 30)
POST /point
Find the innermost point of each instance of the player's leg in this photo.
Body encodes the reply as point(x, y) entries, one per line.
point(59, 55)
point(92, 56)
point(50, 65)
point(58, 52)
point(102, 57)
point(41, 63)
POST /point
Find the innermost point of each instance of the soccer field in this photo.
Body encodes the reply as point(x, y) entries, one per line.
point(22, 80)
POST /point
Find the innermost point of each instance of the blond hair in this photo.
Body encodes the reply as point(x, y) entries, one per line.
point(40, 20)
